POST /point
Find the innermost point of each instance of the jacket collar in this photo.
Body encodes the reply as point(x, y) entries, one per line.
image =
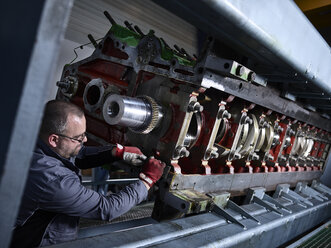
point(43, 148)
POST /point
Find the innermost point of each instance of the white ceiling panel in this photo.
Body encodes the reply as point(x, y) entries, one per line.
point(87, 18)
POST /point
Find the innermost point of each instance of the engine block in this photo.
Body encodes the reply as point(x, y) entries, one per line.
point(212, 120)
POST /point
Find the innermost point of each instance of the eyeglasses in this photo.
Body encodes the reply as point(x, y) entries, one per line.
point(80, 140)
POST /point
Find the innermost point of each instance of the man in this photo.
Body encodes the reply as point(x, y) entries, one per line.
point(54, 197)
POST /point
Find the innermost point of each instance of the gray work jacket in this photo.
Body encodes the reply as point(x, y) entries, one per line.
point(54, 197)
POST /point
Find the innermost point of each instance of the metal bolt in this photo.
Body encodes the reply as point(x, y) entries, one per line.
point(255, 156)
point(265, 124)
point(251, 76)
point(212, 152)
point(237, 155)
point(240, 70)
point(182, 151)
point(269, 157)
point(280, 129)
point(226, 114)
point(194, 107)
point(291, 132)
point(287, 141)
point(63, 85)
point(282, 158)
point(247, 120)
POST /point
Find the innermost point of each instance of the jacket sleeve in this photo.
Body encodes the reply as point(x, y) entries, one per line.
point(70, 197)
point(94, 156)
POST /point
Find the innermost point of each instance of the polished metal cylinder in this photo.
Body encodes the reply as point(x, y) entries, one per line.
point(140, 114)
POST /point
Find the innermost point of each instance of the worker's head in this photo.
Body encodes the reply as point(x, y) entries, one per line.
point(63, 128)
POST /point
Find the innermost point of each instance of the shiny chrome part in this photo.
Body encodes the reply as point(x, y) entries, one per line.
point(193, 131)
point(211, 150)
point(260, 140)
point(246, 137)
point(252, 136)
point(140, 114)
point(269, 138)
point(310, 144)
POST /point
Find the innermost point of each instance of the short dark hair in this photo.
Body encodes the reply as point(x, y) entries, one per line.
point(55, 117)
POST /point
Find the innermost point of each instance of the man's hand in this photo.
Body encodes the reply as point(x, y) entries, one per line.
point(130, 154)
point(151, 171)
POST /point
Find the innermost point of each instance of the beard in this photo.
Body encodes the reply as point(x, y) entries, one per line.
point(69, 151)
point(75, 151)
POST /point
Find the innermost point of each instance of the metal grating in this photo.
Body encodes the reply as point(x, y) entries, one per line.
point(137, 212)
point(322, 239)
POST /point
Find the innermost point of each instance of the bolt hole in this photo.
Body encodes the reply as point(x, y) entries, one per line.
point(93, 95)
point(240, 86)
point(123, 47)
point(113, 109)
point(117, 44)
point(226, 65)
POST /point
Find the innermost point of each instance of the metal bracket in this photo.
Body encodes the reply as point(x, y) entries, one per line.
point(308, 191)
point(320, 187)
point(256, 195)
point(222, 200)
point(240, 210)
point(283, 190)
point(266, 205)
point(276, 203)
point(226, 215)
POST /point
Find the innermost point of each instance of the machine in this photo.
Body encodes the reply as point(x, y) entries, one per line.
point(243, 162)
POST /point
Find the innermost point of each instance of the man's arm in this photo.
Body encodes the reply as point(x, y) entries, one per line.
point(69, 197)
point(90, 157)
point(94, 156)
point(66, 195)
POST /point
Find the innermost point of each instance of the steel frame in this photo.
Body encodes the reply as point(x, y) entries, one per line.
point(52, 26)
point(273, 222)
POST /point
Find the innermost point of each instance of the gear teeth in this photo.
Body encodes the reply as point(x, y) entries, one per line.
point(155, 115)
point(155, 110)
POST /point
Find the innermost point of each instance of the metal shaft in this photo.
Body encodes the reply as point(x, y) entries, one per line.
point(140, 114)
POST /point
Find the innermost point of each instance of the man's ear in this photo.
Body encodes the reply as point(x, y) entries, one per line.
point(53, 140)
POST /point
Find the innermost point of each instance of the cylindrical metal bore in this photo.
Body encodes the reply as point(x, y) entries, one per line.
point(135, 113)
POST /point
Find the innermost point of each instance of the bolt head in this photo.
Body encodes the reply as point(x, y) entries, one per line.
point(251, 76)
point(240, 70)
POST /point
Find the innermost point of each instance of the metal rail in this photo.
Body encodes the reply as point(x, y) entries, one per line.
point(211, 230)
point(275, 32)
